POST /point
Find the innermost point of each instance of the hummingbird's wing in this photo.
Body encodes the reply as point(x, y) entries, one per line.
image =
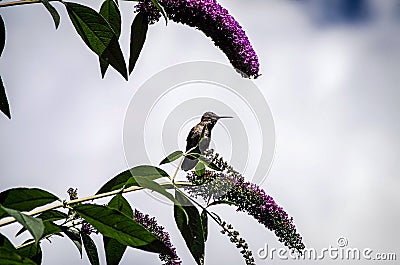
point(191, 141)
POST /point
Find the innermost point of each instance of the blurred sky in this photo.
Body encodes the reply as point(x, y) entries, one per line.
point(330, 69)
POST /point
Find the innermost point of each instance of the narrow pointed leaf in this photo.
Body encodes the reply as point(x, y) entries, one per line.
point(33, 225)
point(10, 257)
point(47, 218)
point(4, 107)
point(25, 199)
point(172, 157)
point(139, 29)
point(31, 251)
point(113, 249)
point(91, 249)
point(204, 223)
point(190, 226)
point(75, 238)
point(2, 35)
point(97, 34)
point(110, 12)
point(53, 12)
point(114, 224)
point(153, 186)
point(52, 215)
point(119, 181)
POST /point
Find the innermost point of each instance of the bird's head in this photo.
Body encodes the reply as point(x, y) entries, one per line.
point(212, 117)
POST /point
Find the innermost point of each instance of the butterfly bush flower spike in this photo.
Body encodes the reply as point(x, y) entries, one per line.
point(214, 21)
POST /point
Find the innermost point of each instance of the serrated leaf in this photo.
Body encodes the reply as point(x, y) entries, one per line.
point(10, 257)
point(190, 226)
point(53, 12)
point(33, 225)
point(31, 251)
point(4, 107)
point(2, 35)
point(119, 181)
point(113, 249)
point(110, 12)
point(91, 249)
point(172, 157)
point(114, 224)
point(75, 238)
point(98, 35)
point(204, 224)
point(139, 29)
point(25, 199)
point(200, 169)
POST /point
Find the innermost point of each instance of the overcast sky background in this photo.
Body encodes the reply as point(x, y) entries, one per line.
point(331, 72)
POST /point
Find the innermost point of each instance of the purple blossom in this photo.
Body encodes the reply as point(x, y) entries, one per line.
point(250, 198)
point(215, 21)
point(151, 225)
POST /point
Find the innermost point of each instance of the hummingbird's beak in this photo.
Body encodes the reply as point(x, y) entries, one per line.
point(224, 117)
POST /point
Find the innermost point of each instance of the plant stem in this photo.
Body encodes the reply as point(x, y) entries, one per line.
point(21, 2)
point(90, 198)
point(177, 169)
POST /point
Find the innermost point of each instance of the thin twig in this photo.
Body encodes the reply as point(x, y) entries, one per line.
point(21, 2)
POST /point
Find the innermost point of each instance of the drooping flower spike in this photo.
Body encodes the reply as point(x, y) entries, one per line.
point(214, 21)
point(150, 224)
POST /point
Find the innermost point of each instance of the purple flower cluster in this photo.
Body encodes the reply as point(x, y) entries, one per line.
point(151, 225)
point(215, 21)
point(250, 198)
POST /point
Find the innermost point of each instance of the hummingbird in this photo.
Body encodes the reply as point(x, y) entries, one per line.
point(206, 124)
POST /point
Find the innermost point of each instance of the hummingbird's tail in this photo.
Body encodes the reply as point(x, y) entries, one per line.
point(189, 164)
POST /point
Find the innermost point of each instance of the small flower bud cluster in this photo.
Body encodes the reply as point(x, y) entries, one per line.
point(88, 228)
point(73, 193)
point(239, 242)
point(151, 225)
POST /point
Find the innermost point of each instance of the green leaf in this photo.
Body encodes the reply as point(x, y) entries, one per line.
point(33, 225)
point(190, 226)
point(110, 12)
point(31, 251)
point(47, 218)
point(172, 157)
point(98, 35)
point(53, 12)
point(52, 215)
point(119, 181)
point(10, 257)
point(4, 107)
point(200, 169)
point(25, 199)
point(4, 242)
point(139, 29)
point(75, 238)
point(91, 249)
point(114, 224)
point(204, 224)
point(208, 163)
point(154, 186)
point(2, 35)
point(113, 249)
